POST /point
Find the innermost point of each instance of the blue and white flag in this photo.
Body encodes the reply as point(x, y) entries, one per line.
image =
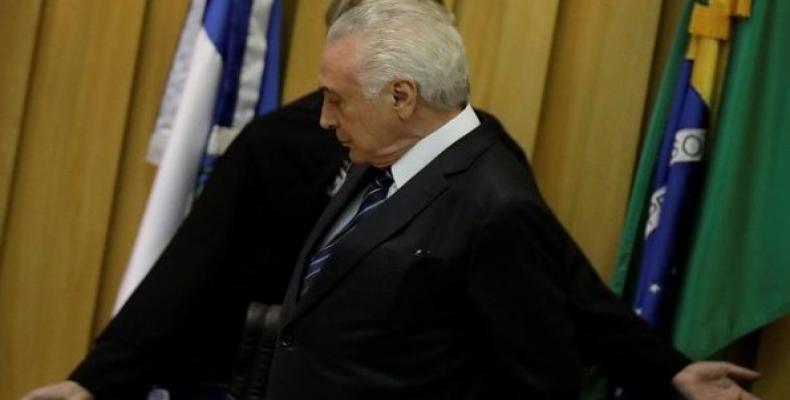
point(232, 74)
point(673, 198)
point(175, 81)
point(246, 91)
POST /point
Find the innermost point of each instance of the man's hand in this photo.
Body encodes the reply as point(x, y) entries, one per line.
point(706, 380)
point(66, 390)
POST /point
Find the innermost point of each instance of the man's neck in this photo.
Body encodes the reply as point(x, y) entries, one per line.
point(425, 121)
point(429, 119)
point(423, 152)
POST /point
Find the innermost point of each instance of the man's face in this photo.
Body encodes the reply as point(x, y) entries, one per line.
point(369, 127)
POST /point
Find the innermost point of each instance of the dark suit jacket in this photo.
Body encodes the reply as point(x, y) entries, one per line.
point(238, 244)
point(462, 285)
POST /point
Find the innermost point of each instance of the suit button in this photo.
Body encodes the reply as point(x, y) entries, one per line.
point(287, 339)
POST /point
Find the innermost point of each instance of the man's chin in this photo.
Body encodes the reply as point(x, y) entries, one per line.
point(357, 158)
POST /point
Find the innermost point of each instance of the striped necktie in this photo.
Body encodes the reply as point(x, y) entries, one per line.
point(374, 196)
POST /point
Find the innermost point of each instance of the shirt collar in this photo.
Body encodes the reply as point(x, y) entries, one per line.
point(429, 147)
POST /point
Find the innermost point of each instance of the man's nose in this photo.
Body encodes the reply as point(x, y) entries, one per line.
point(327, 120)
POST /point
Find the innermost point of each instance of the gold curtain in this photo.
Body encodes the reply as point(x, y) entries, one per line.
point(68, 74)
point(80, 85)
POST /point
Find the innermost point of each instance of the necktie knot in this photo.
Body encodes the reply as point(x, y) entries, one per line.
point(375, 194)
point(384, 179)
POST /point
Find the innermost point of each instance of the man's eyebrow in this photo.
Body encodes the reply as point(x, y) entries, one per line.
point(326, 90)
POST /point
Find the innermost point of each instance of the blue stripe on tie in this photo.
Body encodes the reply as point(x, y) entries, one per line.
point(368, 209)
point(319, 260)
point(375, 195)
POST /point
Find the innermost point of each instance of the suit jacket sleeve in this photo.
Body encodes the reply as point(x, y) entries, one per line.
point(542, 305)
point(237, 245)
point(188, 300)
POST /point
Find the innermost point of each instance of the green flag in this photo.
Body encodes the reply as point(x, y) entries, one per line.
point(738, 275)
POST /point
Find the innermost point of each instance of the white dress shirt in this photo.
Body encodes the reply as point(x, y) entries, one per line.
point(415, 159)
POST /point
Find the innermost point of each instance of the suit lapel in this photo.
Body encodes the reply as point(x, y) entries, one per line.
point(397, 211)
point(356, 178)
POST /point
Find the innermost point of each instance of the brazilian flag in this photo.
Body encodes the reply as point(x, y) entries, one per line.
point(705, 251)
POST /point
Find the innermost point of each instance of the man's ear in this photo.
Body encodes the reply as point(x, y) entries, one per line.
point(404, 97)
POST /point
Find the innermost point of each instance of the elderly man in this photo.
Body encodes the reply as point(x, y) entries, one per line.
point(437, 271)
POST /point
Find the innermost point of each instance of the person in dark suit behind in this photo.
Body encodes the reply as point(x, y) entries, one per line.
point(437, 271)
point(238, 244)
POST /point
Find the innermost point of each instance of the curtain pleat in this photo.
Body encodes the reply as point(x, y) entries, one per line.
point(80, 85)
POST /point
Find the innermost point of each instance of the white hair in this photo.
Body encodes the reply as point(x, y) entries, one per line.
point(407, 39)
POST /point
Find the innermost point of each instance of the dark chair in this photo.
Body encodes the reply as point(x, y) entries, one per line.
point(251, 372)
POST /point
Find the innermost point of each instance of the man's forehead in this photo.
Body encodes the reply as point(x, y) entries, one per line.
point(339, 55)
point(338, 61)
